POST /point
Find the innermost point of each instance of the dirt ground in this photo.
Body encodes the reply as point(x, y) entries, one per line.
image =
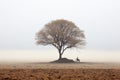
point(43, 72)
point(59, 74)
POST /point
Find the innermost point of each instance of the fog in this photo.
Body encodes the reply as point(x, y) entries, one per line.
point(21, 19)
point(52, 54)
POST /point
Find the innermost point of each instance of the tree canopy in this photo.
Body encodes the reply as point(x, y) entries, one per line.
point(61, 34)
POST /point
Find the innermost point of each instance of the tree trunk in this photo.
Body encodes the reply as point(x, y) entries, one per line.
point(60, 56)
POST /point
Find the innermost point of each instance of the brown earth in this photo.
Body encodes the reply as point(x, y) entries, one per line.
point(59, 74)
point(83, 71)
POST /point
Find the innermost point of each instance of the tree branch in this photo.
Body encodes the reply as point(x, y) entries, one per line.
point(65, 49)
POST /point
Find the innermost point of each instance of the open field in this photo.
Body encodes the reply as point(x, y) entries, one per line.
point(89, 65)
point(50, 71)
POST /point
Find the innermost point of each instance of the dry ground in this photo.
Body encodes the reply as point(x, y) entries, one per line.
point(47, 71)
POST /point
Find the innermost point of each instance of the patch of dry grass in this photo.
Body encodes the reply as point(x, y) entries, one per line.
point(46, 71)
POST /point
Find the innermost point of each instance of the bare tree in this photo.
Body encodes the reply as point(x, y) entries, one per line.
point(62, 34)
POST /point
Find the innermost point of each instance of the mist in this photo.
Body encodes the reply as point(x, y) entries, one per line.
point(20, 20)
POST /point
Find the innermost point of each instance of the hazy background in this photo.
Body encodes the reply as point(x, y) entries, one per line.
point(21, 19)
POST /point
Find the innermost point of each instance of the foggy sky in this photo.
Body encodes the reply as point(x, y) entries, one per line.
point(21, 19)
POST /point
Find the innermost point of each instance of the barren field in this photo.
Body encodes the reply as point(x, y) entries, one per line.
point(48, 71)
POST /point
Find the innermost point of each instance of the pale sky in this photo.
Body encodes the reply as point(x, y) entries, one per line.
point(21, 19)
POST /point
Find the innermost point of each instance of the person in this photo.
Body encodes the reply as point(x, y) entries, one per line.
point(77, 59)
